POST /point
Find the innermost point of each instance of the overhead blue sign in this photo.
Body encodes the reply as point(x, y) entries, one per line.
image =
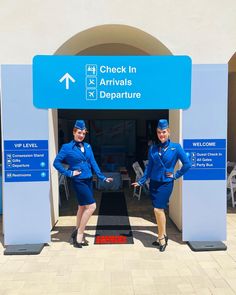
point(26, 160)
point(208, 159)
point(112, 82)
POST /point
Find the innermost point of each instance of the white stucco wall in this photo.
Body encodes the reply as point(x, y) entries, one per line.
point(205, 30)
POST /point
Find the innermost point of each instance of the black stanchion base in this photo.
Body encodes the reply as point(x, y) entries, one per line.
point(26, 249)
point(207, 246)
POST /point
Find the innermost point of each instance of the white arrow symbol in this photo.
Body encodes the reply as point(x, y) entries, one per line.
point(67, 77)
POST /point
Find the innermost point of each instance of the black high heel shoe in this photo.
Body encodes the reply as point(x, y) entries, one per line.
point(74, 239)
point(162, 247)
point(75, 243)
point(157, 244)
point(74, 235)
point(85, 242)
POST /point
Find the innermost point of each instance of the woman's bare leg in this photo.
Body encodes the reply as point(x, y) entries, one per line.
point(161, 223)
point(79, 215)
point(87, 213)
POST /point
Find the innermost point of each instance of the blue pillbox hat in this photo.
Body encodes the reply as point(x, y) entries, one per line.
point(80, 124)
point(162, 124)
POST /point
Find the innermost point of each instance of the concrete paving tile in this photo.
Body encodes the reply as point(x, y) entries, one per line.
point(185, 288)
point(201, 281)
point(64, 287)
point(220, 283)
point(119, 278)
point(209, 264)
point(185, 257)
point(228, 273)
point(175, 280)
point(152, 253)
point(170, 284)
point(167, 289)
point(64, 293)
point(97, 289)
point(87, 263)
point(137, 273)
point(225, 262)
point(59, 278)
point(3, 260)
point(28, 267)
point(232, 254)
point(131, 264)
point(203, 256)
point(222, 291)
point(162, 282)
point(197, 270)
point(34, 277)
point(212, 273)
point(122, 290)
point(144, 289)
point(133, 255)
point(96, 252)
point(137, 269)
point(90, 277)
point(11, 285)
point(184, 272)
point(152, 264)
point(143, 280)
point(166, 272)
point(232, 283)
point(6, 276)
point(12, 266)
point(171, 264)
point(203, 291)
point(111, 264)
point(63, 260)
point(19, 292)
point(151, 276)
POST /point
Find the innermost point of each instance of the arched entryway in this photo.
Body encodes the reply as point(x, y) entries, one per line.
point(114, 40)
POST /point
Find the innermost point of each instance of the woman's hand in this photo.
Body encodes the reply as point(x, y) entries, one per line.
point(170, 174)
point(76, 172)
point(109, 179)
point(135, 184)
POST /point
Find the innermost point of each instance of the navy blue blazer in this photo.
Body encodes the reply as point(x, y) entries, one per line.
point(71, 154)
point(161, 162)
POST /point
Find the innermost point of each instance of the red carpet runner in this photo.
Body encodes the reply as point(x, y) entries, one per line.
point(113, 225)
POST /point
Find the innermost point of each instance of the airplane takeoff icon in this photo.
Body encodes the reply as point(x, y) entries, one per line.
point(91, 94)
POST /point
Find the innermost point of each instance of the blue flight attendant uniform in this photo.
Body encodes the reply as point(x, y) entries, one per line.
point(72, 155)
point(163, 158)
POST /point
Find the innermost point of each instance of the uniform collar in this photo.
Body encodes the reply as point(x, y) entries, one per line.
point(165, 144)
point(77, 143)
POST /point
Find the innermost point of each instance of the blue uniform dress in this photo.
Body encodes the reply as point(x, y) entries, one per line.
point(85, 162)
point(163, 158)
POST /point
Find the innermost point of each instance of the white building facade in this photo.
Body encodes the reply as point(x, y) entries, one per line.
point(205, 31)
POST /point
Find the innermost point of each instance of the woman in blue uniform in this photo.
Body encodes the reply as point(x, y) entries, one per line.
point(162, 159)
point(79, 156)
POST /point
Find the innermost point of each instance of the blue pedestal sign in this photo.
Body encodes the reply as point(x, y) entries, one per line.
point(26, 160)
point(208, 159)
point(112, 82)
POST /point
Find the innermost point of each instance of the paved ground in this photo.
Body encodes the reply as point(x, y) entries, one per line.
point(137, 269)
